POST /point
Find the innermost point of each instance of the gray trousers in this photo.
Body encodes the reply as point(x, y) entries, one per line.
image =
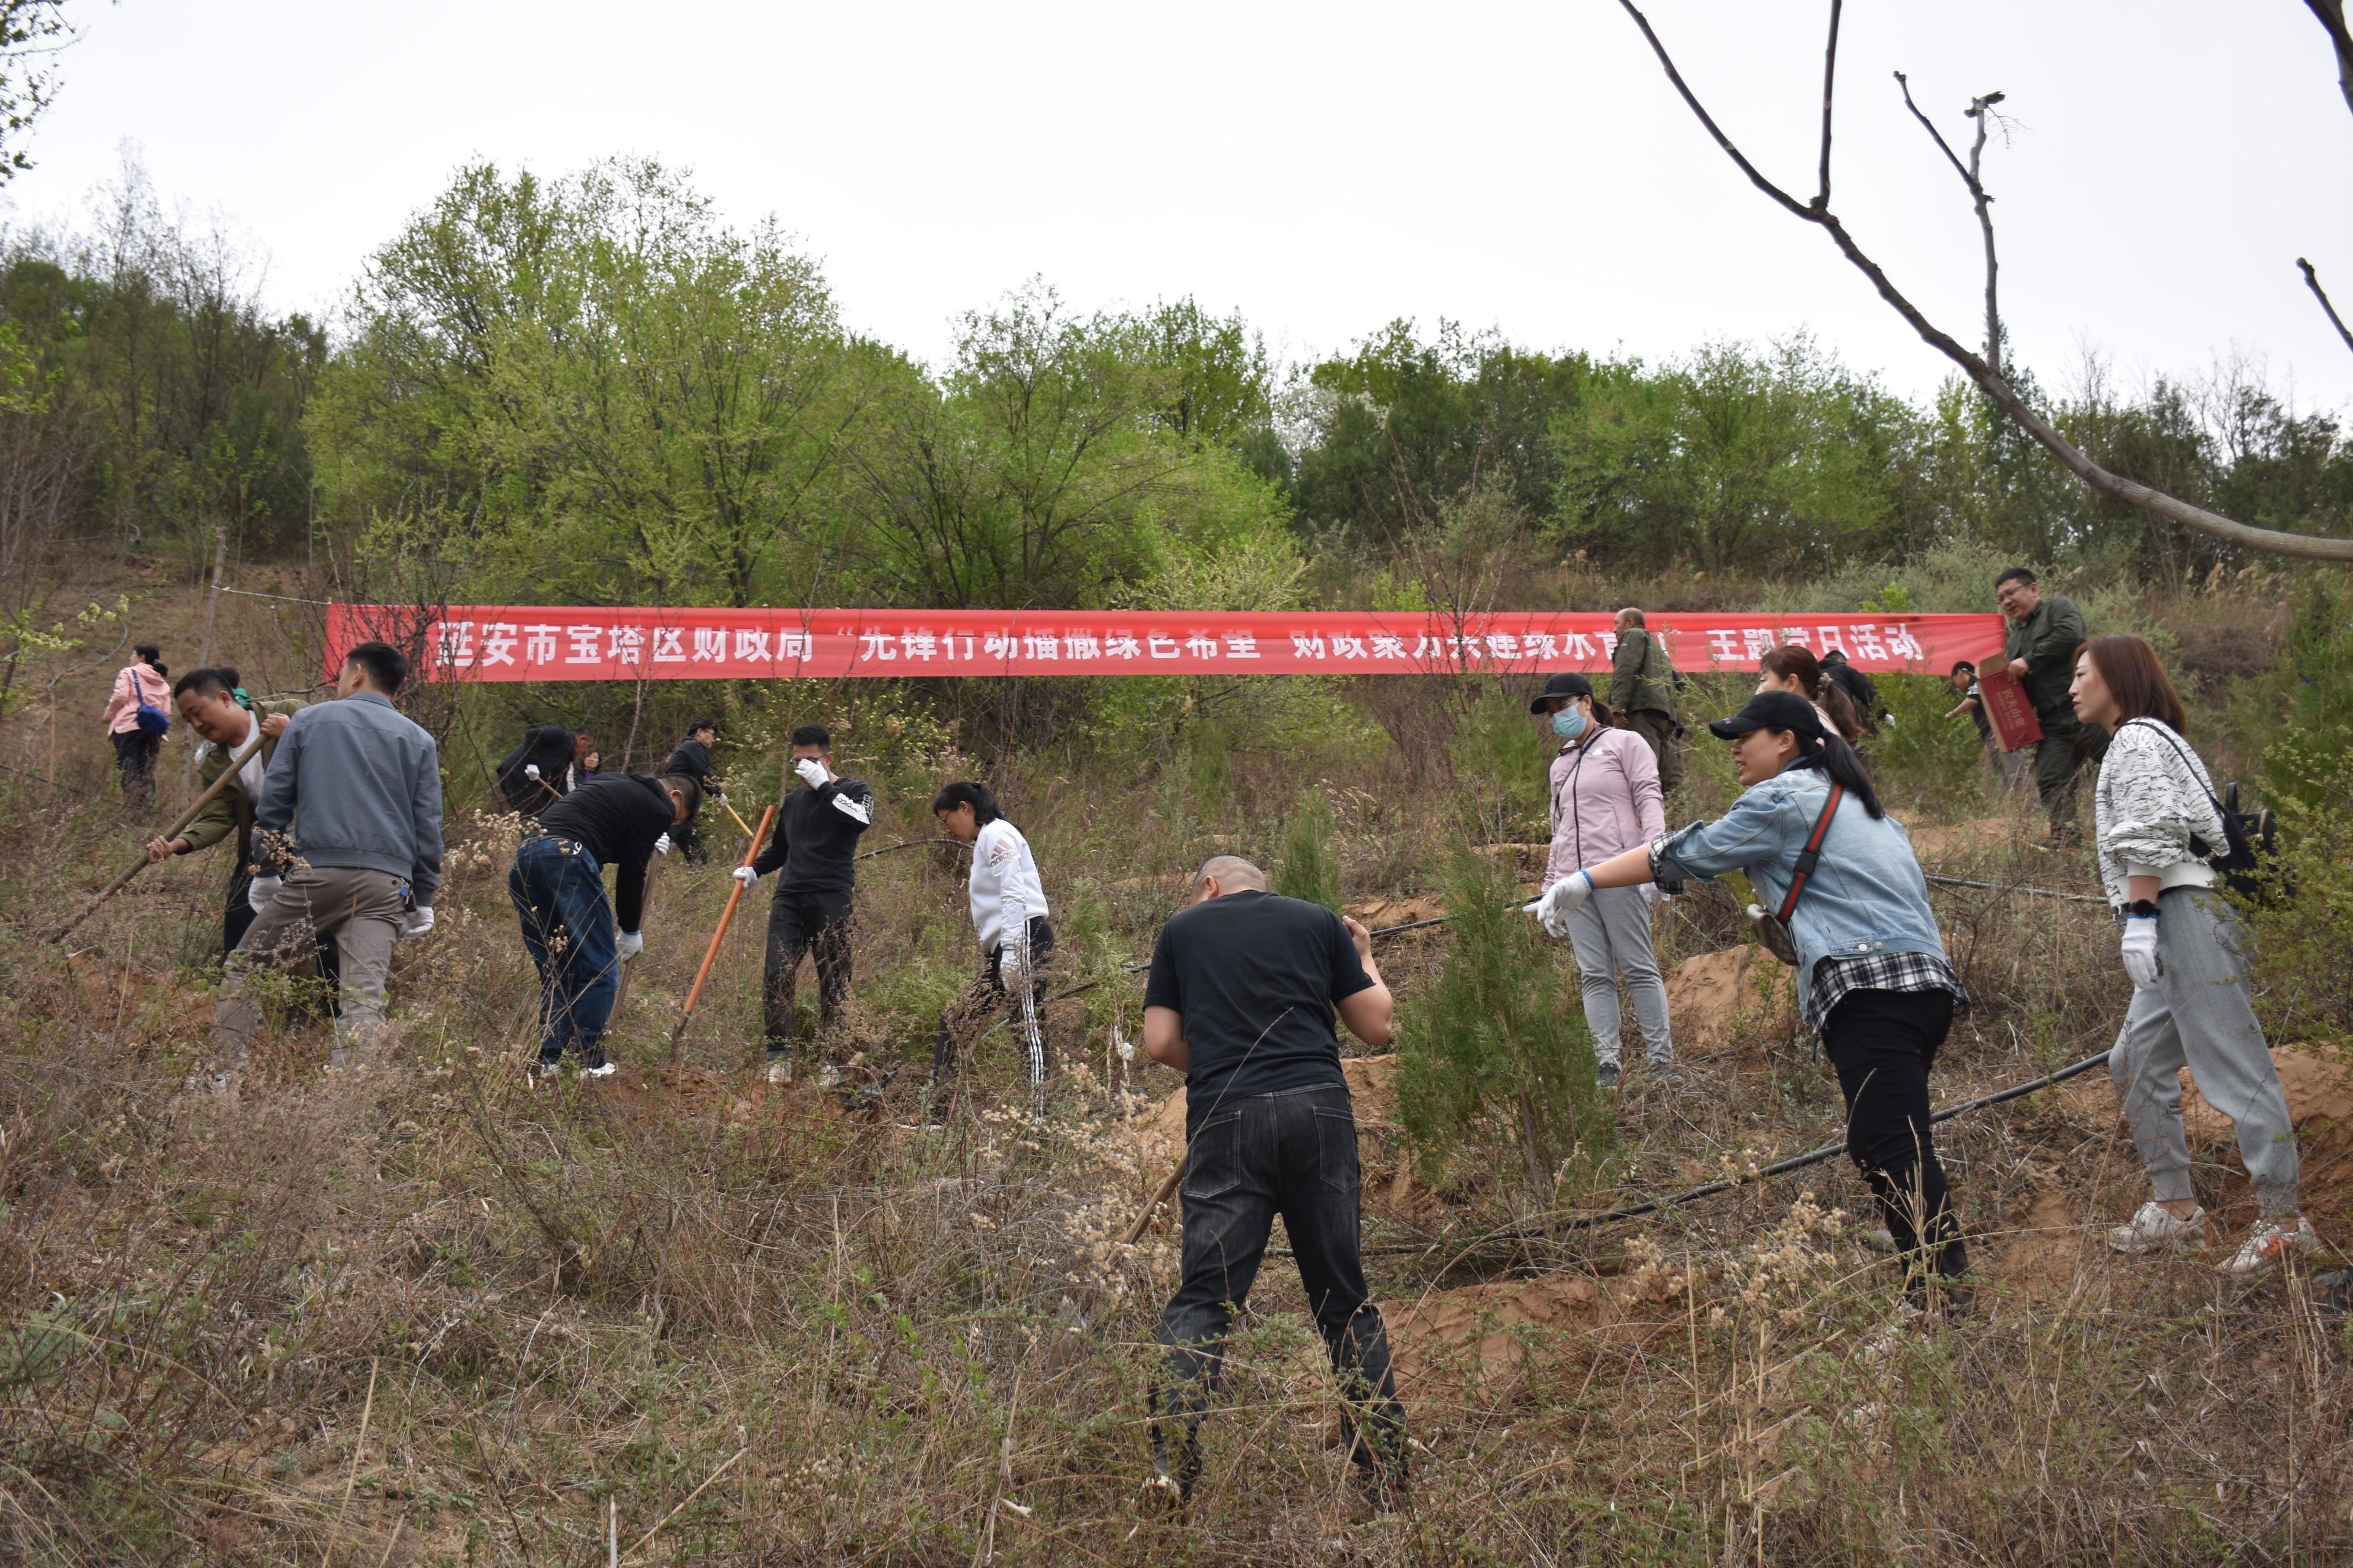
point(2200, 1012)
point(361, 910)
point(1610, 932)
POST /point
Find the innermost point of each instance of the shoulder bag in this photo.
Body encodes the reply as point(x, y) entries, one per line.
point(1772, 932)
point(2250, 839)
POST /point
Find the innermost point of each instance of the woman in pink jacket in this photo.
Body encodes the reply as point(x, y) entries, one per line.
point(134, 747)
point(1605, 800)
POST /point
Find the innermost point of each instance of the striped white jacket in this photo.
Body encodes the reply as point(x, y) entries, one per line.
point(2154, 794)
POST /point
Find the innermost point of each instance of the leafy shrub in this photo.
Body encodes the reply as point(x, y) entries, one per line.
point(1492, 1045)
point(1309, 868)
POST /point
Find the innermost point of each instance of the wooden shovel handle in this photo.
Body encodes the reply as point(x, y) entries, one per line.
point(140, 862)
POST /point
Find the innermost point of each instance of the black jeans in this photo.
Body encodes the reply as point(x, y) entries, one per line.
point(798, 922)
point(134, 754)
point(238, 915)
point(1883, 1044)
point(1249, 1158)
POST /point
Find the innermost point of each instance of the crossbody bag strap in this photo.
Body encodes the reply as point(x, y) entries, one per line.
point(2162, 734)
point(1812, 853)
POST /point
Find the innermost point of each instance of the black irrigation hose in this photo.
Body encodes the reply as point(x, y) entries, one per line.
point(1779, 1168)
point(2015, 888)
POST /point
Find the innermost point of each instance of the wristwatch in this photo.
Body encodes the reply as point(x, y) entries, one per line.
point(2142, 908)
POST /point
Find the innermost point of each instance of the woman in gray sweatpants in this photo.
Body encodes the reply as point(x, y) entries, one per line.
point(2186, 953)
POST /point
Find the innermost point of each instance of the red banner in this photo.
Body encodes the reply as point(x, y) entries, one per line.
point(516, 642)
point(2007, 709)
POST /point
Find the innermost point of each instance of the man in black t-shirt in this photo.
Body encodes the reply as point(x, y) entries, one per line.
point(539, 772)
point(1239, 999)
point(816, 848)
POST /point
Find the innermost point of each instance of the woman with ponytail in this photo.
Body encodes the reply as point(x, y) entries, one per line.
point(1008, 915)
point(1872, 978)
point(1789, 668)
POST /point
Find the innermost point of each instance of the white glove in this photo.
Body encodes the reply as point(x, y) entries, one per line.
point(661, 845)
point(745, 874)
point(2141, 961)
point(531, 772)
point(260, 890)
point(417, 923)
point(1560, 900)
point(629, 944)
point(812, 772)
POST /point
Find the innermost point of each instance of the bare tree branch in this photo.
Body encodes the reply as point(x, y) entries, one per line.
point(1981, 111)
point(1989, 381)
point(1830, 96)
point(2332, 16)
point(2312, 281)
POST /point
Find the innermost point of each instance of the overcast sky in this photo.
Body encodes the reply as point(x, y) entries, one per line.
point(1322, 167)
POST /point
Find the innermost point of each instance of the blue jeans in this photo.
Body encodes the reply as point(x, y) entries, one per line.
point(567, 924)
point(1251, 1158)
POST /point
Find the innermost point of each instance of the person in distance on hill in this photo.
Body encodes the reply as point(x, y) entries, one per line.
point(209, 701)
point(2186, 953)
point(346, 842)
point(1239, 999)
point(1010, 915)
point(2008, 766)
point(1606, 798)
point(693, 759)
point(136, 718)
point(577, 939)
point(2045, 631)
point(1642, 694)
point(542, 769)
point(816, 851)
point(1872, 978)
point(1789, 667)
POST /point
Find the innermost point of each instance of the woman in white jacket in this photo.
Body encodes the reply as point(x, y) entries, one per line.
point(1008, 915)
point(2186, 953)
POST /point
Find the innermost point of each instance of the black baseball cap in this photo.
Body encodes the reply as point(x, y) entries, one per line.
point(1774, 710)
point(1562, 685)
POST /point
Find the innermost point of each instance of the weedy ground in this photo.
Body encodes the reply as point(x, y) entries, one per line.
point(428, 1314)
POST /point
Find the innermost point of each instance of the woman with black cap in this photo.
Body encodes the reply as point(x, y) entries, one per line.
point(1605, 800)
point(1852, 912)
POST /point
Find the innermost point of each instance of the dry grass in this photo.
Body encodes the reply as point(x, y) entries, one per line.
point(431, 1316)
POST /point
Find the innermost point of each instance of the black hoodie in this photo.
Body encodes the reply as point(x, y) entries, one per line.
point(616, 817)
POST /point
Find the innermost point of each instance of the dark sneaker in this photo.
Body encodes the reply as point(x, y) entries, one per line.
point(1605, 1076)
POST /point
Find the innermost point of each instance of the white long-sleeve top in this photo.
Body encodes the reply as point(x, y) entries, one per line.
point(2152, 795)
point(1006, 892)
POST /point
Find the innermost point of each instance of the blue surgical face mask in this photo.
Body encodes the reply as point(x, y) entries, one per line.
point(1569, 723)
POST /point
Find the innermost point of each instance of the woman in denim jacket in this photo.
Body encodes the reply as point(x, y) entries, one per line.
point(1873, 981)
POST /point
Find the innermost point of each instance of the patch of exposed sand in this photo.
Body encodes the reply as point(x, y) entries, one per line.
point(1377, 912)
point(1493, 1337)
point(1720, 1001)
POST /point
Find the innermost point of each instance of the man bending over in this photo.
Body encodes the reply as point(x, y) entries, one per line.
point(1240, 1000)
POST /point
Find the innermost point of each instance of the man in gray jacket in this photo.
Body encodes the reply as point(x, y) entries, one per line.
point(346, 842)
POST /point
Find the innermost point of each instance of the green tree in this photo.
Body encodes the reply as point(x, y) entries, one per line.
point(1728, 459)
point(593, 388)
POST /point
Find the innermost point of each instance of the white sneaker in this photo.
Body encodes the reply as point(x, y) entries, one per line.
point(828, 1076)
point(605, 1069)
point(2266, 1243)
point(780, 1070)
point(2155, 1229)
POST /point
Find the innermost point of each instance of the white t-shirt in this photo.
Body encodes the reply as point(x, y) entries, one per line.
point(1004, 879)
